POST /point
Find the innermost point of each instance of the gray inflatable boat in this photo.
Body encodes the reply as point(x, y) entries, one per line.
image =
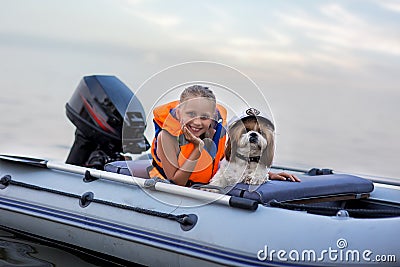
point(327, 219)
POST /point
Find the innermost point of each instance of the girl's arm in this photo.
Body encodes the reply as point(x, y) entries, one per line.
point(167, 151)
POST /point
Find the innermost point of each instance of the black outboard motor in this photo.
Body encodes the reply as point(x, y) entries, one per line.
point(98, 109)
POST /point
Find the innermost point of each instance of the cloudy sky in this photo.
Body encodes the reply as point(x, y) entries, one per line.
point(341, 55)
point(291, 37)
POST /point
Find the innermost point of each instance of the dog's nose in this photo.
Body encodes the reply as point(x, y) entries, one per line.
point(253, 135)
point(253, 138)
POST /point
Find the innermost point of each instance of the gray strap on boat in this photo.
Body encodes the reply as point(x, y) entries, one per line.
point(151, 183)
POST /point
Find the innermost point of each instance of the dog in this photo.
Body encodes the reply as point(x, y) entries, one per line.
point(249, 151)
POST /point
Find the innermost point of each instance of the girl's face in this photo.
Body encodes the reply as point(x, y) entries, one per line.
point(196, 114)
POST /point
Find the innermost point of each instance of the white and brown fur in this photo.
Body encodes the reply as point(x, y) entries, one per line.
point(252, 137)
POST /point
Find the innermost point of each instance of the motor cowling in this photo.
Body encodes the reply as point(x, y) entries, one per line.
point(99, 110)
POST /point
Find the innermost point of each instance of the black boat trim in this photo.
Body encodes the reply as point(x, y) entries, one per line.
point(5, 181)
point(86, 199)
point(187, 221)
point(89, 178)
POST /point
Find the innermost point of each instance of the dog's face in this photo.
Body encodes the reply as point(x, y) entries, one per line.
point(251, 137)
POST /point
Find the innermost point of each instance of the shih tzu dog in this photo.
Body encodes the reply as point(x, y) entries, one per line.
point(249, 151)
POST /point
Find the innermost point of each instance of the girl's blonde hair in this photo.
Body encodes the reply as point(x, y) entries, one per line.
point(197, 91)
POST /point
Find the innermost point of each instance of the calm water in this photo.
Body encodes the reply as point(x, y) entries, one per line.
point(19, 251)
point(343, 129)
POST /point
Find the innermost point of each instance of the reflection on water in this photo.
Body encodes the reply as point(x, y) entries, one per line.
point(13, 253)
point(17, 251)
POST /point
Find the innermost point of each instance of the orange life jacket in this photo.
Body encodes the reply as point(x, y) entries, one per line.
point(213, 152)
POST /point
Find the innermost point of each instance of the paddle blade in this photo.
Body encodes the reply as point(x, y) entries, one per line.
point(25, 160)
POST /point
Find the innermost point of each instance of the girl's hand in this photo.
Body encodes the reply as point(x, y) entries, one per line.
point(283, 176)
point(192, 138)
point(210, 132)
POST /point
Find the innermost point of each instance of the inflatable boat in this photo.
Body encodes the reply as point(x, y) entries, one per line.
point(329, 219)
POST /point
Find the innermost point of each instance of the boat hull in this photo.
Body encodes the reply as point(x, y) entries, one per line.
point(221, 236)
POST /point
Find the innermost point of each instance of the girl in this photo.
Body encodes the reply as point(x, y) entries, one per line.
point(190, 139)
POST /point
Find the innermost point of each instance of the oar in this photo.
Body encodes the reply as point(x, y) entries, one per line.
point(231, 201)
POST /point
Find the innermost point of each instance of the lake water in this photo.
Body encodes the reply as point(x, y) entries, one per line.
point(19, 251)
point(345, 129)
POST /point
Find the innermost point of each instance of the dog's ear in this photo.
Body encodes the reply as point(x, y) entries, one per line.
point(228, 150)
point(267, 155)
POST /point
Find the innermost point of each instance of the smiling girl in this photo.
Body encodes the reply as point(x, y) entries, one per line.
point(189, 137)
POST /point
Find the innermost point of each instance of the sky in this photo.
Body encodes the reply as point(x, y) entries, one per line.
point(328, 68)
point(291, 38)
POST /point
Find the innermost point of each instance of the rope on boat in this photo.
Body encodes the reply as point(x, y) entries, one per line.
point(375, 213)
point(187, 221)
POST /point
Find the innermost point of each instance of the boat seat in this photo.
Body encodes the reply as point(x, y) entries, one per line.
point(138, 167)
point(311, 189)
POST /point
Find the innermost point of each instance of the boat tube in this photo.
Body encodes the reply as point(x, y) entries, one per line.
point(152, 223)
